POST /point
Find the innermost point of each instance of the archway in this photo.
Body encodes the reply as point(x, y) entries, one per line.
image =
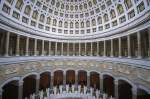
point(142, 94)
point(10, 90)
point(95, 80)
point(58, 77)
point(44, 80)
point(124, 90)
point(70, 77)
point(29, 85)
point(108, 83)
point(82, 78)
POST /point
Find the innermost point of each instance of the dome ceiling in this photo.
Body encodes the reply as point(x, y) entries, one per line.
point(72, 17)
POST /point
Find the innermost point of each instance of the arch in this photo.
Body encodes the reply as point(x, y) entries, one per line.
point(143, 88)
point(126, 80)
point(29, 74)
point(9, 80)
point(107, 73)
point(45, 72)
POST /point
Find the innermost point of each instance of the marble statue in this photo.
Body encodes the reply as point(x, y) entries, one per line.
point(61, 89)
point(97, 94)
point(73, 88)
point(33, 96)
point(47, 92)
point(67, 88)
point(85, 89)
point(104, 96)
point(79, 88)
point(41, 94)
point(55, 90)
point(91, 91)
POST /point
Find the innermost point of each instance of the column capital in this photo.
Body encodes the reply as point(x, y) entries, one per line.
point(20, 83)
point(88, 74)
point(116, 82)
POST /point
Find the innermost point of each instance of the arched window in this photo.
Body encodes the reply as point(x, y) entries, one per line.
point(66, 24)
point(90, 4)
point(60, 23)
point(71, 24)
point(120, 9)
point(81, 7)
point(85, 6)
point(82, 24)
point(57, 4)
point(106, 18)
point(48, 20)
point(54, 22)
point(42, 18)
point(67, 7)
point(77, 25)
point(71, 7)
point(35, 14)
point(128, 4)
point(76, 7)
point(99, 20)
point(112, 14)
point(62, 6)
point(93, 22)
point(19, 4)
point(27, 10)
point(87, 23)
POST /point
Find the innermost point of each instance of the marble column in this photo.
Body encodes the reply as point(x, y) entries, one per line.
point(37, 84)
point(88, 80)
point(149, 42)
point(129, 46)
point(49, 48)
point(7, 44)
point(73, 49)
point(64, 78)
point(139, 44)
point(119, 39)
point(42, 47)
point(56, 49)
point(104, 48)
point(1, 93)
point(68, 49)
point(91, 48)
point(52, 80)
point(112, 48)
point(76, 78)
point(17, 45)
point(85, 49)
point(20, 90)
point(27, 46)
point(116, 89)
point(134, 92)
point(101, 82)
point(35, 47)
point(62, 46)
point(97, 48)
point(79, 49)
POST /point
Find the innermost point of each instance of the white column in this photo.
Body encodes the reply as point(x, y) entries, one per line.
point(62, 47)
point(149, 42)
point(79, 49)
point(129, 46)
point(85, 49)
point(35, 47)
point(97, 48)
point(68, 49)
point(134, 92)
point(116, 89)
point(64, 78)
point(37, 84)
point(52, 80)
point(42, 47)
point(1, 93)
point(49, 48)
point(20, 90)
point(91, 48)
point(76, 78)
point(112, 48)
point(88, 79)
point(73, 49)
point(119, 39)
point(101, 82)
point(7, 43)
point(17, 45)
point(27, 46)
point(104, 48)
point(139, 45)
point(56, 49)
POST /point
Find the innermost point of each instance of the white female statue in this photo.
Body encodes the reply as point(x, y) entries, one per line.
point(47, 92)
point(79, 88)
point(60, 88)
point(97, 93)
point(55, 90)
point(67, 88)
point(91, 91)
point(41, 94)
point(73, 88)
point(85, 89)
